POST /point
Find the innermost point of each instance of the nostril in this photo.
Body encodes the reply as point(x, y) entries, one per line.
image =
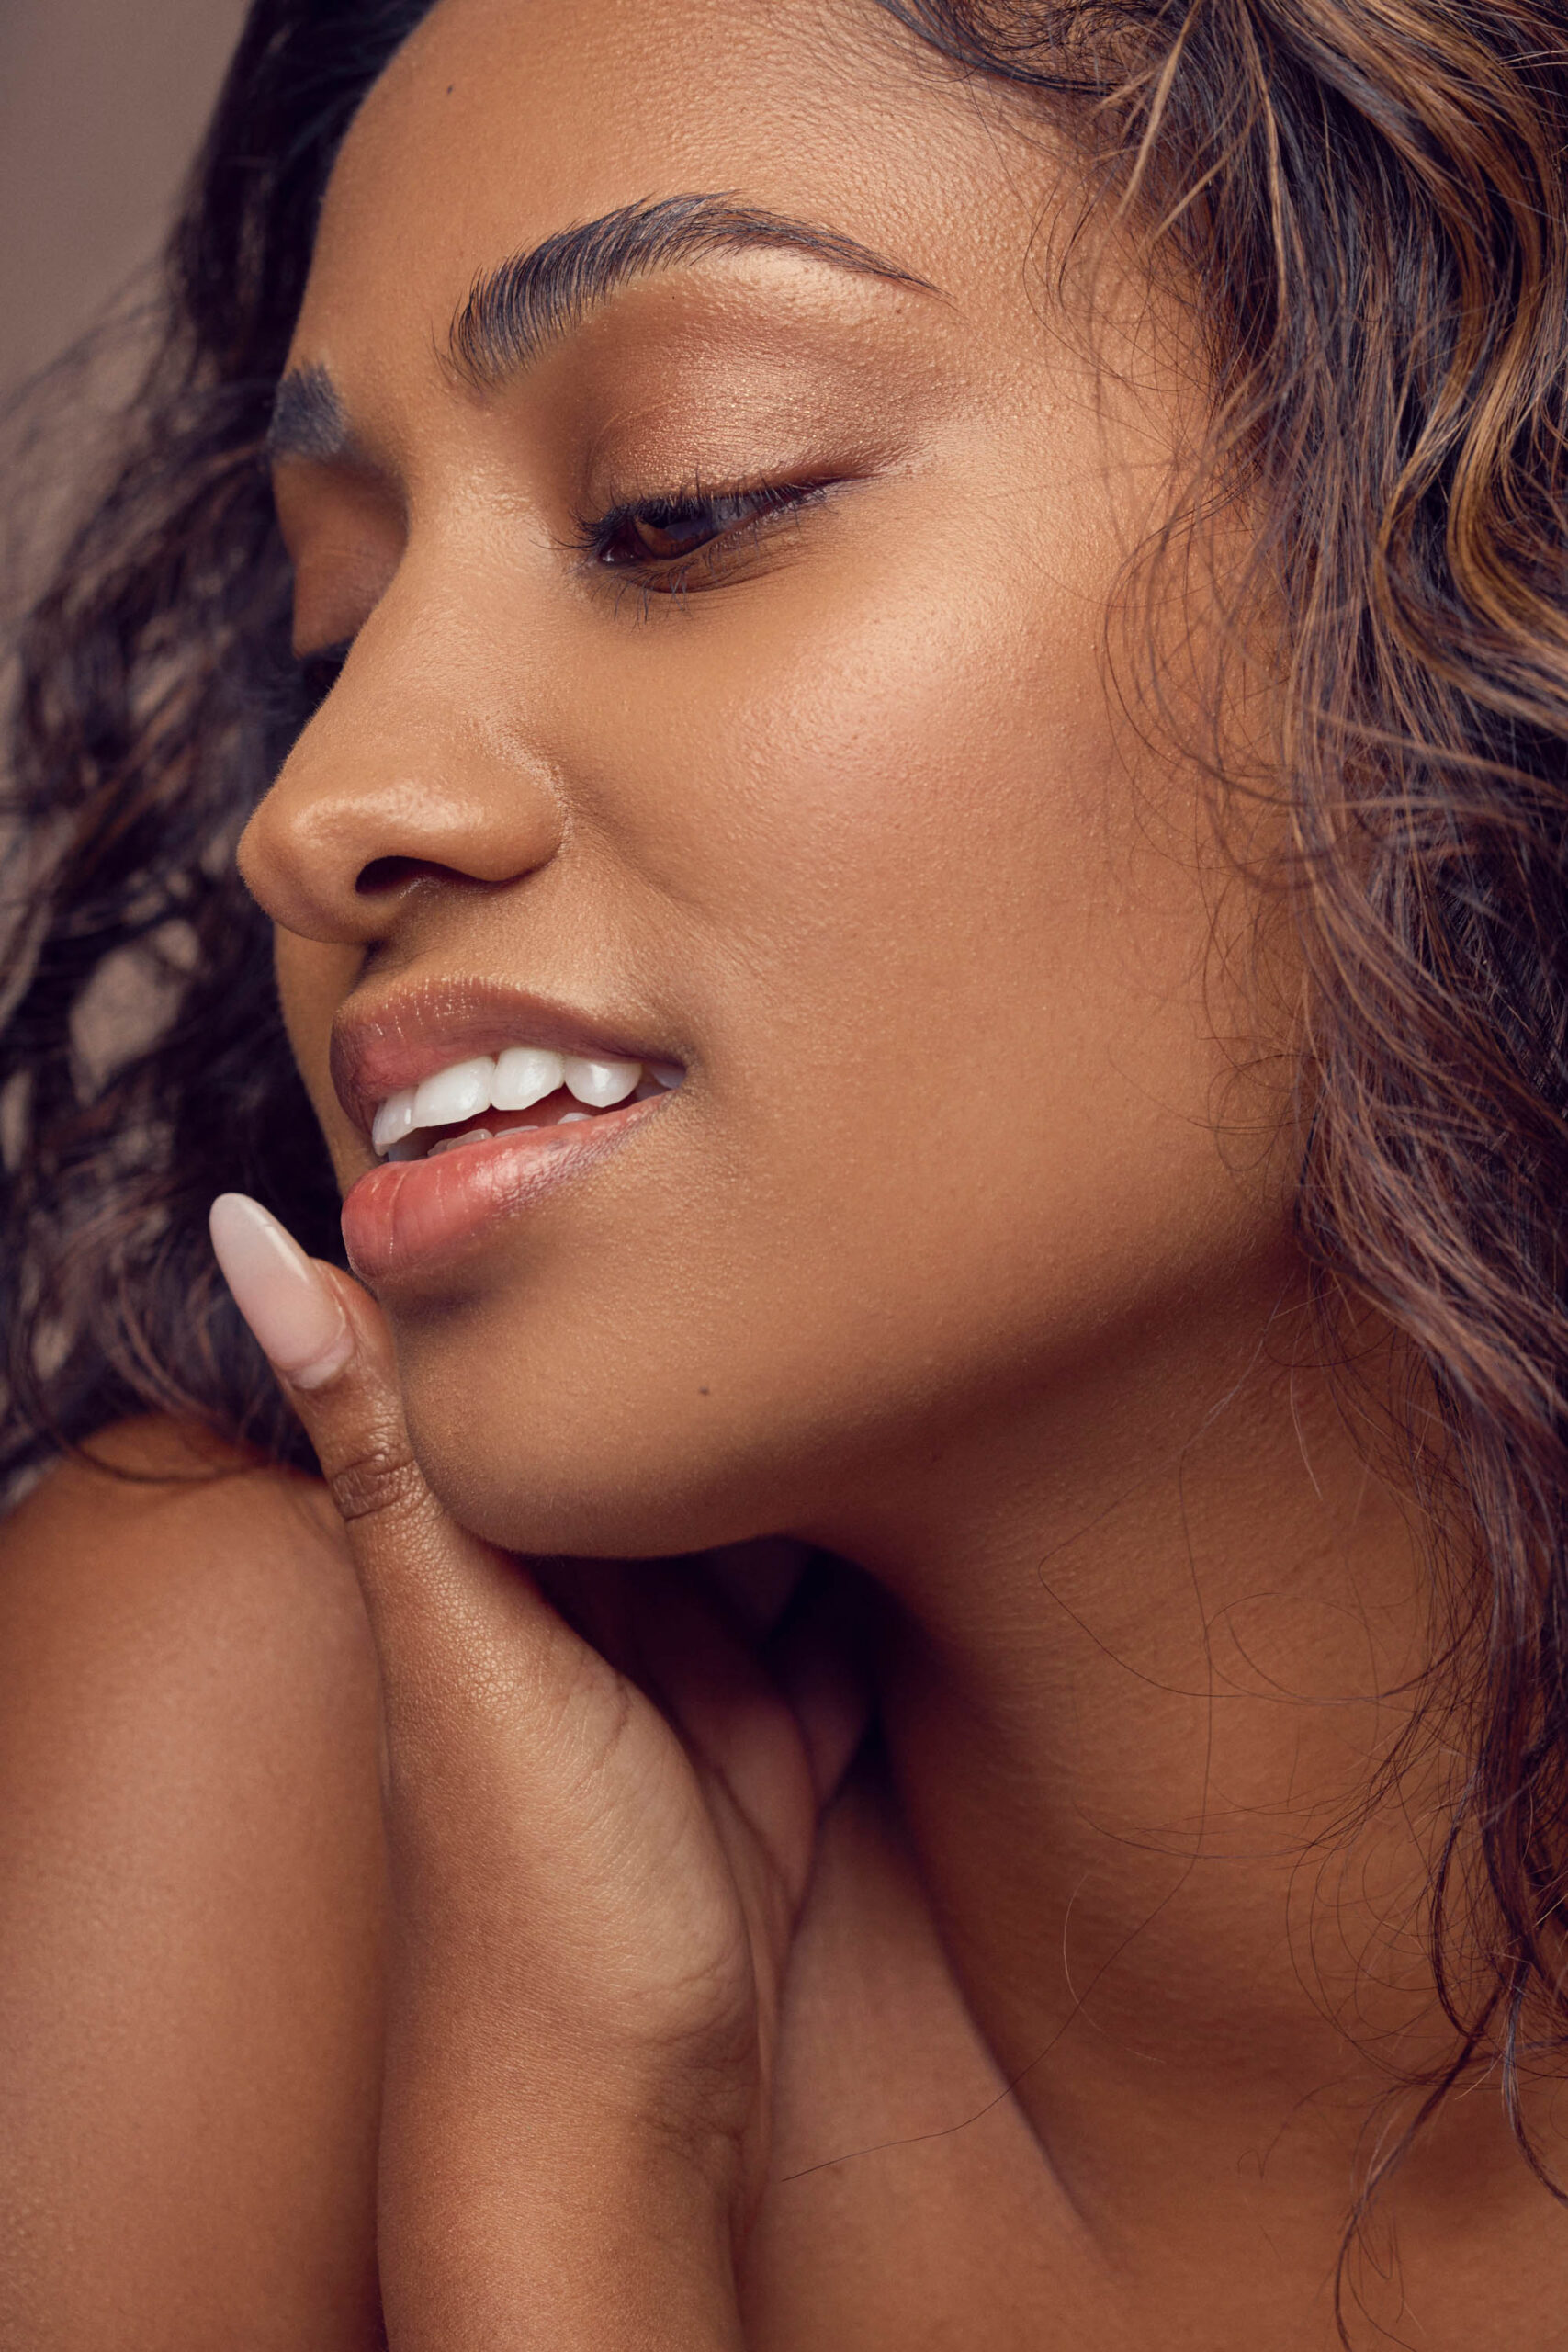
point(384, 876)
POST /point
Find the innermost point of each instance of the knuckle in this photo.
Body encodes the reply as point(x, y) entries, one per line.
point(380, 1481)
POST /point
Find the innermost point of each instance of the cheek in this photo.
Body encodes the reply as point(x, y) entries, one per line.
point(954, 922)
point(984, 952)
point(954, 1120)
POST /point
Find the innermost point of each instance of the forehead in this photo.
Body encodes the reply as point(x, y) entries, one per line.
point(502, 122)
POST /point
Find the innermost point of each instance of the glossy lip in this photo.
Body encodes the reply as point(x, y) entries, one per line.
point(379, 1047)
point(404, 1217)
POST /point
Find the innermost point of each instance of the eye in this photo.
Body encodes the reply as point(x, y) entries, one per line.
point(654, 535)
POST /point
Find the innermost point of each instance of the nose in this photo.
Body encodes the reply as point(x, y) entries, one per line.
point(401, 777)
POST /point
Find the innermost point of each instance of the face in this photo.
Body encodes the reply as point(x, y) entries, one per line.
point(726, 698)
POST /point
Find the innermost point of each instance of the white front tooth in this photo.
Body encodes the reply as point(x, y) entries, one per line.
point(393, 1121)
point(455, 1093)
point(600, 1084)
point(523, 1075)
point(456, 1143)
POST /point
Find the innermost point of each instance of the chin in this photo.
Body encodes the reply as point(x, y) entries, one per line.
point(555, 1459)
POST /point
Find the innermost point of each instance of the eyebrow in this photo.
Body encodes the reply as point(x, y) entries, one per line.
point(307, 418)
point(515, 311)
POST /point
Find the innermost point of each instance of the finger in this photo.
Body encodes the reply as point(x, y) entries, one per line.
point(819, 1658)
point(300, 1327)
point(759, 1578)
point(546, 1955)
point(732, 1696)
point(509, 1743)
point(448, 1611)
point(729, 1713)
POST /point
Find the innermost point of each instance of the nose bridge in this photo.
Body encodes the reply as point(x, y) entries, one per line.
point(422, 758)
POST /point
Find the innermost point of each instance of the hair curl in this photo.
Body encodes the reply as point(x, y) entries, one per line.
point(1369, 197)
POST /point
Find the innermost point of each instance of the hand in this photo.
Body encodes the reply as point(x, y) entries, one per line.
point(599, 1833)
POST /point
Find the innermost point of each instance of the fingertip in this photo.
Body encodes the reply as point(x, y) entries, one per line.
point(298, 1320)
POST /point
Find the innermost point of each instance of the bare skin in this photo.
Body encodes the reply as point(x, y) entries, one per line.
point(191, 1926)
point(961, 1255)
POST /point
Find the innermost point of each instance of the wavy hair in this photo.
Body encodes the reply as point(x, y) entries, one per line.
point(1370, 199)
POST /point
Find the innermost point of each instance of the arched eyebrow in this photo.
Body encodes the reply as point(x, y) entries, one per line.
point(515, 310)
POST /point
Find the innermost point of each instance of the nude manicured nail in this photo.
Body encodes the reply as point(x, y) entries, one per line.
point(298, 1323)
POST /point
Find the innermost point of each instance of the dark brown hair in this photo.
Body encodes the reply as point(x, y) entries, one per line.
point(1369, 197)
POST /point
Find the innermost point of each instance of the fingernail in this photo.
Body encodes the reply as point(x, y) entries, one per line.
point(297, 1322)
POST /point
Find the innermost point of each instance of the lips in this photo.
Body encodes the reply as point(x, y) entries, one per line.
point(379, 1049)
point(405, 1216)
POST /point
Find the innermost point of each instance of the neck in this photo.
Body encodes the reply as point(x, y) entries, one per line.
point(1152, 1645)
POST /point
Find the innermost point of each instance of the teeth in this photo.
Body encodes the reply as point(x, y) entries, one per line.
point(394, 1120)
point(599, 1084)
point(455, 1093)
point(514, 1081)
point(456, 1143)
point(523, 1075)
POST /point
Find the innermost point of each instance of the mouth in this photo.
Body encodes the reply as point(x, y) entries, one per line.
point(523, 1087)
point(468, 1122)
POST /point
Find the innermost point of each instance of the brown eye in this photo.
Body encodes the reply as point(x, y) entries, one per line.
point(682, 534)
point(665, 530)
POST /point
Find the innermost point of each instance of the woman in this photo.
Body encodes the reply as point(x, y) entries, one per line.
point(948, 624)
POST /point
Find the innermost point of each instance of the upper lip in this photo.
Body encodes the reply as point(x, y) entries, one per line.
point(394, 1041)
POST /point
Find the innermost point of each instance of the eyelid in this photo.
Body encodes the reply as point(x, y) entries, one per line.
point(778, 499)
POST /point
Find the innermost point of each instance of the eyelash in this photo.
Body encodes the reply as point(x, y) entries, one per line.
point(726, 518)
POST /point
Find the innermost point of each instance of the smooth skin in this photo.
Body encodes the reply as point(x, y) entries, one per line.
point(1056, 2014)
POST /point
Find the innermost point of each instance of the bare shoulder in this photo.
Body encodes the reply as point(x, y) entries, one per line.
point(190, 1898)
point(156, 1509)
point(181, 1557)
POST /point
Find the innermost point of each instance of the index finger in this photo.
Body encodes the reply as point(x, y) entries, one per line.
point(440, 1599)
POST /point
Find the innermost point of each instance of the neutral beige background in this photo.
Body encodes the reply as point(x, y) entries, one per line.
point(101, 105)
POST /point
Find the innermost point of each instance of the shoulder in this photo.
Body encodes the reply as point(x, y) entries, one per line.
point(167, 1551)
point(190, 1869)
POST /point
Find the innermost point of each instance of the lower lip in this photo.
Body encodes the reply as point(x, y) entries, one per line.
point(407, 1215)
